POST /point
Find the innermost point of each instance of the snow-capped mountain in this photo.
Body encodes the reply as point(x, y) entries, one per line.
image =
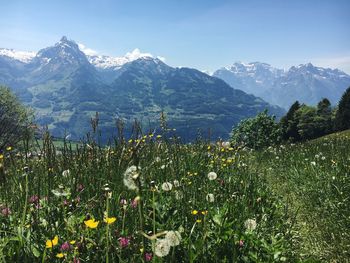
point(65, 86)
point(22, 56)
point(115, 63)
point(305, 83)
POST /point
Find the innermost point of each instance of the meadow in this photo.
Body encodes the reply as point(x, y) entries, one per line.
point(154, 199)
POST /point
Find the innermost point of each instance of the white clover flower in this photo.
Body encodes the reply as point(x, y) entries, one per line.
point(210, 198)
point(212, 176)
point(167, 186)
point(162, 247)
point(130, 175)
point(313, 163)
point(66, 173)
point(176, 183)
point(250, 224)
point(173, 238)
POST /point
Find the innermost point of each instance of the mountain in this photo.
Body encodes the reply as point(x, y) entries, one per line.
point(66, 87)
point(305, 83)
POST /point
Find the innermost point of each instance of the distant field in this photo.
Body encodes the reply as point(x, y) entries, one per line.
point(152, 200)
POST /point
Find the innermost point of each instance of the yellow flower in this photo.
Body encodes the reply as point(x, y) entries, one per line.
point(109, 220)
point(199, 220)
point(205, 212)
point(159, 136)
point(60, 255)
point(91, 223)
point(1, 156)
point(9, 148)
point(51, 243)
point(72, 242)
point(194, 212)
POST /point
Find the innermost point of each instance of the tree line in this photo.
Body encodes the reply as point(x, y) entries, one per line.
point(301, 123)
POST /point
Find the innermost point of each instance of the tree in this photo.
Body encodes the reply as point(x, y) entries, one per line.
point(323, 118)
point(14, 119)
point(342, 117)
point(289, 124)
point(257, 132)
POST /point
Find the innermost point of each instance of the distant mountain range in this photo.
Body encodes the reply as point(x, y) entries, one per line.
point(66, 87)
point(305, 83)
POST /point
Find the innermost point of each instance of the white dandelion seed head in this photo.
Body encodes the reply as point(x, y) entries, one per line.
point(176, 183)
point(250, 224)
point(210, 198)
point(162, 247)
point(212, 176)
point(167, 186)
point(66, 173)
point(130, 175)
point(173, 237)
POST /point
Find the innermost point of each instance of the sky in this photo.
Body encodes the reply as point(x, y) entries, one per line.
point(202, 34)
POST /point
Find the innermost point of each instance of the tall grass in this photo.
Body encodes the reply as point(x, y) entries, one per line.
point(258, 208)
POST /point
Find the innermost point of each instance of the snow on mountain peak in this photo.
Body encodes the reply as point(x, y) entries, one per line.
point(23, 56)
point(109, 62)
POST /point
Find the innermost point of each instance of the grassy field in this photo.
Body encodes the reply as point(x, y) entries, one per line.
point(154, 200)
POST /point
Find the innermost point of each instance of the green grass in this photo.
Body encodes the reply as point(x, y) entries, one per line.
point(275, 205)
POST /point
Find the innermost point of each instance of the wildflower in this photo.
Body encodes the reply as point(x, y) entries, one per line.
point(199, 220)
point(212, 176)
point(60, 255)
point(110, 220)
point(167, 186)
point(250, 224)
point(52, 243)
point(210, 198)
point(5, 211)
point(159, 136)
point(124, 241)
point(241, 243)
point(1, 156)
point(130, 175)
point(205, 212)
point(313, 163)
point(194, 212)
point(148, 257)
point(76, 260)
point(65, 246)
point(72, 242)
point(34, 199)
point(173, 238)
point(66, 173)
point(162, 247)
point(8, 148)
point(176, 183)
point(91, 223)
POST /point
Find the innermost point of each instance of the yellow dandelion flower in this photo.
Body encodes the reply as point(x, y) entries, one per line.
point(204, 212)
point(1, 156)
point(159, 136)
point(130, 141)
point(91, 223)
point(72, 242)
point(9, 148)
point(209, 148)
point(60, 255)
point(52, 243)
point(199, 220)
point(194, 212)
point(110, 220)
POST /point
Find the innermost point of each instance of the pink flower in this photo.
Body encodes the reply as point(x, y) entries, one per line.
point(134, 203)
point(6, 211)
point(76, 260)
point(148, 257)
point(124, 241)
point(123, 201)
point(34, 199)
point(65, 246)
point(241, 243)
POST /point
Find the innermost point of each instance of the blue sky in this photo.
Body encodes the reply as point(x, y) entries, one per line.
point(204, 34)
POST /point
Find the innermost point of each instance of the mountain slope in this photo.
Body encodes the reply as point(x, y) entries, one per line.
point(65, 90)
point(306, 83)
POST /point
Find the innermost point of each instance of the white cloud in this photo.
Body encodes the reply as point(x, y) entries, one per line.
point(135, 54)
point(86, 50)
point(161, 58)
